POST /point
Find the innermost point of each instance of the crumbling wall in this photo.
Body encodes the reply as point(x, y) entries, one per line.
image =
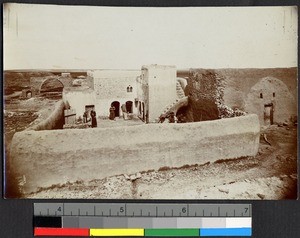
point(44, 158)
point(54, 121)
point(205, 90)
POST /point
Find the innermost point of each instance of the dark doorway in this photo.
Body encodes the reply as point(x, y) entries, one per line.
point(140, 109)
point(88, 109)
point(268, 114)
point(29, 94)
point(182, 111)
point(143, 111)
point(116, 104)
point(182, 114)
point(129, 106)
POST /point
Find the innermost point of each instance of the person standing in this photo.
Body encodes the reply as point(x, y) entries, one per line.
point(112, 114)
point(94, 119)
point(85, 117)
point(124, 111)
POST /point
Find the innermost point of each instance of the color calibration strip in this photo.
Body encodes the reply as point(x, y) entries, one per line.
point(205, 232)
point(152, 220)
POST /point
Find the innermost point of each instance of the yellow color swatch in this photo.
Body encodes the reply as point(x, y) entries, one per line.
point(116, 232)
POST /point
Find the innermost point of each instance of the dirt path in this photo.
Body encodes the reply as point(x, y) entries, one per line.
point(272, 174)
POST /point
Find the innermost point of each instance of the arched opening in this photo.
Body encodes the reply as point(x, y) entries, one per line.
point(28, 94)
point(116, 105)
point(129, 106)
point(52, 87)
point(181, 114)
point(129, 89)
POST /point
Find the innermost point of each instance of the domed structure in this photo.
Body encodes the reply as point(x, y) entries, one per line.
point(271, 100)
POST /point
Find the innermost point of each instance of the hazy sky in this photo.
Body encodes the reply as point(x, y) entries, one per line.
point(77, 37)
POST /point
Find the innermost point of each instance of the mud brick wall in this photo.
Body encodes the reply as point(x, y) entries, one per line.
point(54, 121)
point(44, 158)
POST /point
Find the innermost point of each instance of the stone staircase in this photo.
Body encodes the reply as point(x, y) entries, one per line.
point(179, 90)
point(181, 101)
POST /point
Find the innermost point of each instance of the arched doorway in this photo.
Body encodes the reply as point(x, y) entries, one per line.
point(129, 106)
point(116, 104)
point(182, 114)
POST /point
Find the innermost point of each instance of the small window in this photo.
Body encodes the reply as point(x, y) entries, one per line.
point(273, 95)
point(155, 77)
point(261, 95)
point(129, 89)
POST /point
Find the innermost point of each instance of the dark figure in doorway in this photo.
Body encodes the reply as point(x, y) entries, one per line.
point(112, 113)
point(124, 111)
point(94, 120)
point(85, 117)
point(172, 117)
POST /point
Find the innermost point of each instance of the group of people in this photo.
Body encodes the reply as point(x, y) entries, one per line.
point(112, 116)
point(93, 115)
point(93, 118)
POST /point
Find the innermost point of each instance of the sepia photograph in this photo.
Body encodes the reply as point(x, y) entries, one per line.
point(150, 102)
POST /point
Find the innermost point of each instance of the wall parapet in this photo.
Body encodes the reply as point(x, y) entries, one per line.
point(52, 157)
point(54, 121)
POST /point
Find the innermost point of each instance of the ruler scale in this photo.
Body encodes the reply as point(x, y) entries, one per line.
point(142, 219)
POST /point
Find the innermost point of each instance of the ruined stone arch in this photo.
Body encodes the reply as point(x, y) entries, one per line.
point(48, 79)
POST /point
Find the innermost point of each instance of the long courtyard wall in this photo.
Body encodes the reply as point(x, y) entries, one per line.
point(44, 158)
